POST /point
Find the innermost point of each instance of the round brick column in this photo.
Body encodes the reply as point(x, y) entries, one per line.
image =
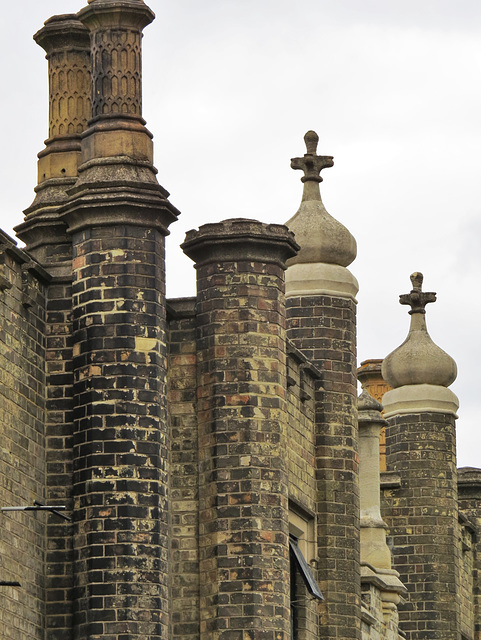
point(121, 435)
point(421, 448)
point(243, 537)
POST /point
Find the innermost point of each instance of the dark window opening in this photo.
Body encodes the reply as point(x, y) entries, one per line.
point(299, 565)
point(294, 601)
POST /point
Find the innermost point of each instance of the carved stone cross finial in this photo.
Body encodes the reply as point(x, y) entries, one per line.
point(311, 163)
point(417, 299)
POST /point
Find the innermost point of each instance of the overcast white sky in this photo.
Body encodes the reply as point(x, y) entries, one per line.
point(393, 88)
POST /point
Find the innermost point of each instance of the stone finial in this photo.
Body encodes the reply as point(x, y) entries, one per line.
point(323, 239)
point(418, 360)
point(368, 408)
point(327, 247)
point(417, 299)
point(311, 163)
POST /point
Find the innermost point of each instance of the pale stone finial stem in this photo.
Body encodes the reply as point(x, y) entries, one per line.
point(417, 299)
point(311, 191)
point(312, 165)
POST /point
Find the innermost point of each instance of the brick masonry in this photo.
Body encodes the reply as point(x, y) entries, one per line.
point(324, 329)
point(469, 491)
point(422, 517)
point(184, 475)
point(120, 440)
point(22, 449)
point(189, 437)
point(59, 457)
point(241, 412)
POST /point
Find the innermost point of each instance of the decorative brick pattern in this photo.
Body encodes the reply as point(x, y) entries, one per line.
point(422, 518)
point(324, 329)
point(69, 79)
point(116, 49)
point(117, 72)
point(121, 435)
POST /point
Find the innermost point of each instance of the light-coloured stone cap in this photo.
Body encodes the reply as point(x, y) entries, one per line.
point(387, 581)
point(418, 361)
point(311, 279)
point(322, 238)
point(420, 398)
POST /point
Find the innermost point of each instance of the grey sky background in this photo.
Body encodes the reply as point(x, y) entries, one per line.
point(230, 87)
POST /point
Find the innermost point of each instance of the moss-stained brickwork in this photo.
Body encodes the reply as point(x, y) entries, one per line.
point(184, 474)
point(243, 500)
point(22, 448)
point(121, 436)
point(467, 577)
point(469, 488)
point(324, 329)
point(423, 522)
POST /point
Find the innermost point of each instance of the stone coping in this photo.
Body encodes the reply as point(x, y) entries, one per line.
point(419, 398)
point(311, 279)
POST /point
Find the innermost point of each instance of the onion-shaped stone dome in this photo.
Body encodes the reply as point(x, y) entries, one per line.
point(418, 360)
point(322, 238)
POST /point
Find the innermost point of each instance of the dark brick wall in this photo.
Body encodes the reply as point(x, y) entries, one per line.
point(121, 436)
point(422, 518)
point(59, 458)
point(324, 329)
point(22, 447)
point(244, 561)
point(241, 410)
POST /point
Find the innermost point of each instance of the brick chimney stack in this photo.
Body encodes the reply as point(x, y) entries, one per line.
point(241, 413)
point(118, 215)
point(67, 44)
